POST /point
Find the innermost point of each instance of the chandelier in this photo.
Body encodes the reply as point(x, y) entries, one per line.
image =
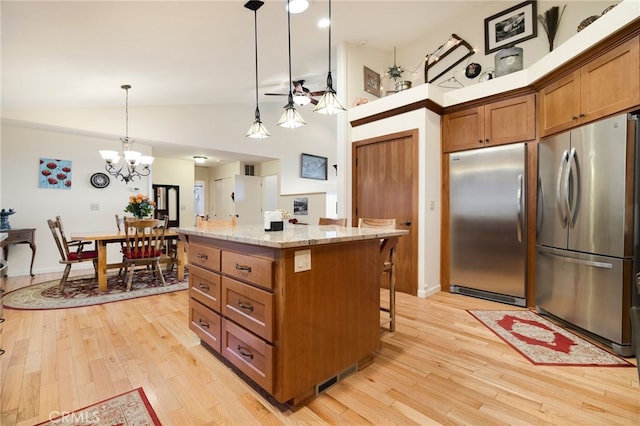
point(126, 165)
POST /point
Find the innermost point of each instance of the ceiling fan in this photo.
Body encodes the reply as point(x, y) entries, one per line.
point(301, 95)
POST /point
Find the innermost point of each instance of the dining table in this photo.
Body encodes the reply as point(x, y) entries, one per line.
point(103, 238)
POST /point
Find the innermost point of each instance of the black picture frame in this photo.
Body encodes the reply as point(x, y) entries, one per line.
point(313, 167)
point(511, 26)
point(372, 82)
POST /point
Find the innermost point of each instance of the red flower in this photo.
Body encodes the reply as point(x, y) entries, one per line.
point(67, 183)
point(52, 166)
point(61, 176)
point(46, 172)
point(66, 169)
point(52, 181)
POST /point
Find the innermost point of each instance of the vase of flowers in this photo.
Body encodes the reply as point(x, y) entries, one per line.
point(140, 206)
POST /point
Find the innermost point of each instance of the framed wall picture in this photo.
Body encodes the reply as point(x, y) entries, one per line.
point(511, 26)
point(313, 167)
point(371, 82)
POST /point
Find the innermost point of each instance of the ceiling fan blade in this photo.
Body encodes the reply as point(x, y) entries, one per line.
point(314, 102)
point(318, 93)
point(276, 94)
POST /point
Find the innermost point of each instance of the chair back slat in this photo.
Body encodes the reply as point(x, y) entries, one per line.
point(367, 222)
point(341, 221)
point(144, 238)
point(58, 236)
point(202, 223)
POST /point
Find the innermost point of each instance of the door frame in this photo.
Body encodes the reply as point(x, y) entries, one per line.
point(413, 134)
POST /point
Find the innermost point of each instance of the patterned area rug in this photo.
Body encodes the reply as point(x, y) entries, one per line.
point(83, 291)
point(544, 343)
point(130, 408)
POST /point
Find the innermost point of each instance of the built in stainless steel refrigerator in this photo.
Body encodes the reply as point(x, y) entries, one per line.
point(586, 236)
point(487, 223)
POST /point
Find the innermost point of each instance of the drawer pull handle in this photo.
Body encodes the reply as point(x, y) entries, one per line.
point(245, 354)
point(240, 267)
point(203, 287)
point(1, 320)
point(203, 323)
point(202, 256)
point(243, 306)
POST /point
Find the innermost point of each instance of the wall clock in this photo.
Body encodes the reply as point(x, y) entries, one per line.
point(99, 180)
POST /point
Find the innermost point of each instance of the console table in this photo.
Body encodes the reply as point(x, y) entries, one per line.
point(20, 236)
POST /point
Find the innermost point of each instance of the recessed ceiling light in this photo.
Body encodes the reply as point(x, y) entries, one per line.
point(199, 159)
point(297, 6)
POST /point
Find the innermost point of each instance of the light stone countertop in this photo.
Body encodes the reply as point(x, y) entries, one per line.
point(292, 235)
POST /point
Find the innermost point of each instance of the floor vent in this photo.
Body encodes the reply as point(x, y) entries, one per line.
point(511, 300)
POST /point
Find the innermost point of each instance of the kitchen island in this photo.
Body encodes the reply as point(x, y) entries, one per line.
point(293, 311)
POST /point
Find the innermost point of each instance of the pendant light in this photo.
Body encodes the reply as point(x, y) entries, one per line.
point(329, 103)
point(290, 118)
point(257, 129)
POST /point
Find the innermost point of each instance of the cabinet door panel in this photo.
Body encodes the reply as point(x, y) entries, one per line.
point(560, 104)
point(511, 120)
point(611, 83)
point(463, 129)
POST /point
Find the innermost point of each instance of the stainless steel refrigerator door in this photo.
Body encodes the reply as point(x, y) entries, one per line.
point(585, 290)
point(596, 180)
point(551, 219)
point(487, 193)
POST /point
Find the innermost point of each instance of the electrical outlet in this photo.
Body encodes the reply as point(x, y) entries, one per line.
point(94, 207)
point(432, 205)
point(302, 261)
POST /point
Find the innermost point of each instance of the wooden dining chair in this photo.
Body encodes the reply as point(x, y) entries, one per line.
point(340, 221)
point(144, 245)
point(387, 257)
point(203, 223)
point(71, 251)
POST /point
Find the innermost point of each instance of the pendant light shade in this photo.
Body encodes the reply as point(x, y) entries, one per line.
point(257, 129)
point(290, 118)
point(329, 103)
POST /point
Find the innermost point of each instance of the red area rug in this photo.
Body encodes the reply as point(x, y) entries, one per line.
point(129, 408)
point(544, 343)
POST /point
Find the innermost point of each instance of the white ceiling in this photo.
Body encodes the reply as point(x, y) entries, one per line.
point(77, 54)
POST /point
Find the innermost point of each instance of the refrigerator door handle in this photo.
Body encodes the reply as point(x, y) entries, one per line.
point(519, 214)
point(563, 161)
point(578, 261)
point(572, 170)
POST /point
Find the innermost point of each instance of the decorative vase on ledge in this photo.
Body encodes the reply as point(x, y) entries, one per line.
point(4, 219)
point(403, 85)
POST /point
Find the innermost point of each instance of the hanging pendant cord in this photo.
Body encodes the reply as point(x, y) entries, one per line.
point(255, 32)
point(289, 35)
point(126, 109)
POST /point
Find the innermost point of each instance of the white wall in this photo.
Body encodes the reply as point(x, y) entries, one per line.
point(21, 150)
point(470, 27)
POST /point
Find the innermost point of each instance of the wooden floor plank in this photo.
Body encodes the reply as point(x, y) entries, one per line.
point(440, 366)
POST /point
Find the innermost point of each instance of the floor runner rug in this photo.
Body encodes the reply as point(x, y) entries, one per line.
point(128, 409)
point(544, 343)
point(83, 291)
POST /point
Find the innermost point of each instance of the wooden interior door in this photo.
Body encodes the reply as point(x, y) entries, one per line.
point(385, 185)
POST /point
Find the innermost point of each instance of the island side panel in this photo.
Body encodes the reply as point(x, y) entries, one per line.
point(328, 318)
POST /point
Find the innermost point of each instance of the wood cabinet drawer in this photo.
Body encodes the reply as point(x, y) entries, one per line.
point(204, 256)
point(19, 236)
point(253, 269)
point(205, 323)
point(252, 355)
point(205, 287)
point(249, 306)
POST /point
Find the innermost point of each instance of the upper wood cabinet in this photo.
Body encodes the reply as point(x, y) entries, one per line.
point(497, 123)
point(604, 86)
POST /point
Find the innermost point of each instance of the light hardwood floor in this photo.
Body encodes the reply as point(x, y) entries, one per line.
point(441, 366)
